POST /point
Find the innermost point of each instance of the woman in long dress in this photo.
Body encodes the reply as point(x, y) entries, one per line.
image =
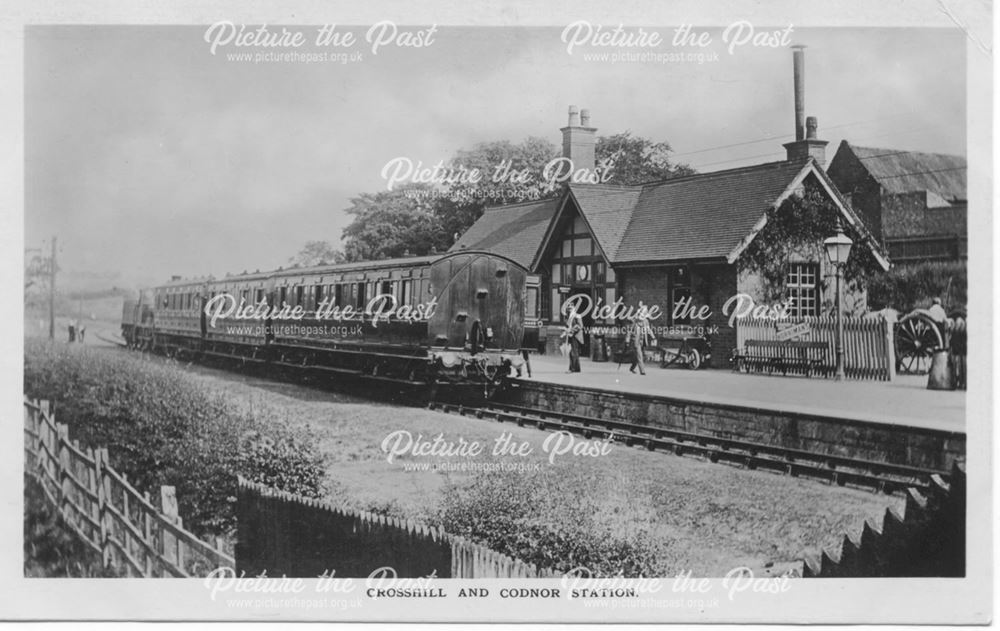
point(574, 331)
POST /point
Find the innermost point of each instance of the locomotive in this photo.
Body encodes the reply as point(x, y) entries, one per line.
point(454, 319)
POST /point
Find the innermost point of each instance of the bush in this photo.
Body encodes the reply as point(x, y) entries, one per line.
point(162, 426)
point(51, 548)
point(535, 519)
point(908, 287)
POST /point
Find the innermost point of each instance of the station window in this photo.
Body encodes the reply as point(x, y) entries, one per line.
point(567, 248)
point(583, 247)
point(531, 303)
point(802, 285)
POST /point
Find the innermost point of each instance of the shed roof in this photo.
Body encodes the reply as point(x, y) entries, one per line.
point(515, 230)
point(911, 171)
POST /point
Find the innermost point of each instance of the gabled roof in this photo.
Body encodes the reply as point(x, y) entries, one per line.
point(705, 215)
point(696, 217)
point(607, 210)
point(912, 171)
point(514, 231)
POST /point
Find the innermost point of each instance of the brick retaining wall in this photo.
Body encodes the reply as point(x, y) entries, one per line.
point(895, 444)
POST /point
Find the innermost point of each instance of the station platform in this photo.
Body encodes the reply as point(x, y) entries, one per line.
point(904, 401)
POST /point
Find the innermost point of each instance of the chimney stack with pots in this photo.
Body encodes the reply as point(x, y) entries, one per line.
point(806, 144)
point(579, 141)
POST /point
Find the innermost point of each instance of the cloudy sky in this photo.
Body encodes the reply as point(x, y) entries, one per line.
point(149, 156)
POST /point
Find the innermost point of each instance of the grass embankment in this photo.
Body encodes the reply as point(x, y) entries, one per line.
point(628, 510)
point(164, 427)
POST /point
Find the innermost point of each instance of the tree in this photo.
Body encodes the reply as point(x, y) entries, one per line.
point(317, 253)
point(391, 224)
point(498, 162)
point(638, 160)
point(420, 219)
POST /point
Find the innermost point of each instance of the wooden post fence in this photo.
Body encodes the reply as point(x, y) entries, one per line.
point(106, 511)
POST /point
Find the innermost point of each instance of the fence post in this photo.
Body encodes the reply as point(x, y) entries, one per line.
point(101, 500)
point(110, 558)
point(889, 322)
point(62, 464)
point(147, 535)
point(168, 506)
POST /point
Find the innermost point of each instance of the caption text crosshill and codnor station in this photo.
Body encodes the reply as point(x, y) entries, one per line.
point(577, 584)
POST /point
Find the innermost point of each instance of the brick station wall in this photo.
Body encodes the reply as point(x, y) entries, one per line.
point(711, 285)
point(911, 446)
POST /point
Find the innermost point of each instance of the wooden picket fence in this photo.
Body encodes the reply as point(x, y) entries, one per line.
point(928, 539)
point(285, 534)
point(133, 536)
point(869, 347)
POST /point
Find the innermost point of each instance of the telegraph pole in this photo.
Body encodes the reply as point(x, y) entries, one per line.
point(52, 292)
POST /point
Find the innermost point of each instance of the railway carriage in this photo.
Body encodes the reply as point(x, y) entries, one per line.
point(454, 319)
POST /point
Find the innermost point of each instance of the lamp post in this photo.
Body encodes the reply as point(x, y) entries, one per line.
point(838, 248)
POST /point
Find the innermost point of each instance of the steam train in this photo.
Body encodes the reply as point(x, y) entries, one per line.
point(455, 319)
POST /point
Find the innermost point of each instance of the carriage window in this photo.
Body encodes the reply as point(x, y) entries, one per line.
point(318, 298)
point(259, 296)
point(299, 295)
point(359, 295)
point(338, 295)
point(802, 284)
point(244, 296)
point(406, 292)
point(282, 296)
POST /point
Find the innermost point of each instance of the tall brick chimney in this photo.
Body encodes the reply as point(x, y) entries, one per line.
point(805, 144)
point(578, 139)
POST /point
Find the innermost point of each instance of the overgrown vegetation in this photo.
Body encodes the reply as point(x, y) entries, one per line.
point(51, 549)
point(799, 226)
point(538, 519)
point(162, 426)
point(909, 287)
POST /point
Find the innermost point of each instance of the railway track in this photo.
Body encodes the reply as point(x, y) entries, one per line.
point(840, 470)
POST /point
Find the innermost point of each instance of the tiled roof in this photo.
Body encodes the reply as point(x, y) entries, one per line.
point(702, 216)
point(910, 171)
point(707, 215)
point(515, 231)
point(607, 209)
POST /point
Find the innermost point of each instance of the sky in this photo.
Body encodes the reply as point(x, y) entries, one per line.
point(147, 155)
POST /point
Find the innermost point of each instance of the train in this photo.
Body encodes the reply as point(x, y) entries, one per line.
point(455, 320)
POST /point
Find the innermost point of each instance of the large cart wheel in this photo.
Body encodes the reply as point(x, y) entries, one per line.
point(917, 337)
point(693, 359)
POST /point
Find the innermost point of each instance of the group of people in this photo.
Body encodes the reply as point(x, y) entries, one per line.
point(638, 335)
point(77, 331)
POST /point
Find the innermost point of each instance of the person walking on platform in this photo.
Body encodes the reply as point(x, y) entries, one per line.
point(638, 334)
point(574, 334)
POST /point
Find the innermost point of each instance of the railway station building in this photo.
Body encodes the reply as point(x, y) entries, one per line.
point(674, 244)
